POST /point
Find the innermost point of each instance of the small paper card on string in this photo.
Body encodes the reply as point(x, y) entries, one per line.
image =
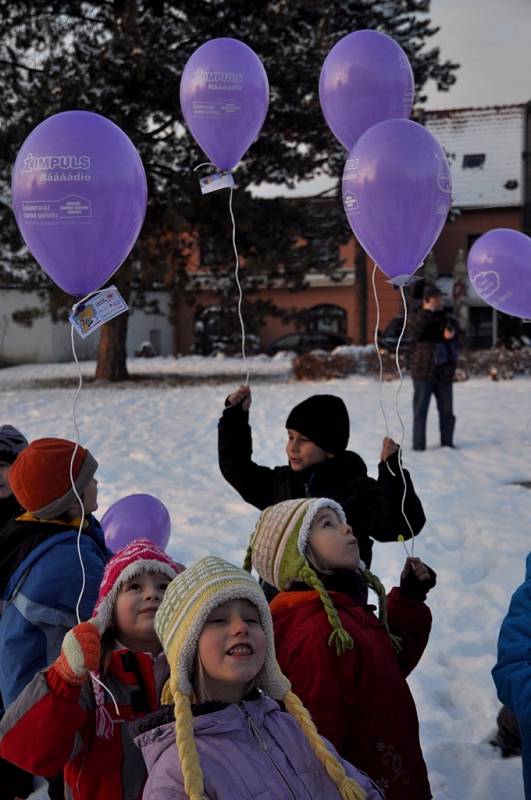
point(218, 180)
point(101, 307)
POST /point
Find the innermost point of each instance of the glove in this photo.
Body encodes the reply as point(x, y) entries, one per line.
point(411, 585)
point(80, 654)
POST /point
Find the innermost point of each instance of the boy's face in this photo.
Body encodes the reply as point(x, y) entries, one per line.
point(90, 496)
point(302, 452)
point(5, 488)
point(434, 303)
point(90, 500)
point(332, 543)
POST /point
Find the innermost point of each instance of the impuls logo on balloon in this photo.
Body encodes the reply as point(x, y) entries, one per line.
point(444, 183)
point(350, 202)
point(487, 283)
point(36, 163)
point(351, 164)
point(218, 79)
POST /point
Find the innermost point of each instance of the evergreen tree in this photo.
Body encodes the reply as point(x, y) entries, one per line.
point(124, 59)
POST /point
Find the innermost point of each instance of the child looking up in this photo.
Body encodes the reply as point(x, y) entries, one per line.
point(319, 465)
point(348, 666)
point(70, 718)
point(41, 575)
point(233, 741)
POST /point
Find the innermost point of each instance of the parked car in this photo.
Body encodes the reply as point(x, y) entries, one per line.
point(388, 340)
point(303, 342)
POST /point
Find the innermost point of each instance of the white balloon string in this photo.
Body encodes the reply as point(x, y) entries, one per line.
point(104, 686)
point(76, 427)
point(240, 292)
point(400, 465)
point(236, 272)
point(377, 348)
point(80, 501)
point(204, 164)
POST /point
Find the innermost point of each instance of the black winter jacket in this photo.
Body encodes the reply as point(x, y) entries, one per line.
point(372, 507)
point(432, 357)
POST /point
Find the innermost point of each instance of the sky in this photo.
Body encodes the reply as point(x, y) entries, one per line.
point(491, 40)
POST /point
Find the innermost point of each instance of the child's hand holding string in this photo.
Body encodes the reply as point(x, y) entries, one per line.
point(389, 446)
point(240, 396)
point(416, 579)
point(80, 654)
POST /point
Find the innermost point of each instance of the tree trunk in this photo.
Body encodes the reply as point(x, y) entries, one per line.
point(111, 365)
point(361, 292)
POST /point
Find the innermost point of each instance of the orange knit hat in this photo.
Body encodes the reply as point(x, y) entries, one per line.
point(40, 476)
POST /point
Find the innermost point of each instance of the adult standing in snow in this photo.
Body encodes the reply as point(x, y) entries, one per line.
point(432, 361)
point(512, 673)
point(319, 465)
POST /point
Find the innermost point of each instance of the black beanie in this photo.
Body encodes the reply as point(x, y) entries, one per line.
point(323, 418)
point(12, 442)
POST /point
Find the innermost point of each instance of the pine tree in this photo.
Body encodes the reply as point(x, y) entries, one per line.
point(124, 59)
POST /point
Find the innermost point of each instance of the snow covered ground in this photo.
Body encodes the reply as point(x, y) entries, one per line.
point(162, 440)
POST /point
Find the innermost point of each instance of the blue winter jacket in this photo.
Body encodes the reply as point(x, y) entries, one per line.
point(512, 673)
point(39, 602)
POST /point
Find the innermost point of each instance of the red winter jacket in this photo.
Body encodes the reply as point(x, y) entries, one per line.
point(360, 700)
point(51, 726)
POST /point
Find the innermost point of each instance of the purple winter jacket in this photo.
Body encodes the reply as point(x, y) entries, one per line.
point(248, 750)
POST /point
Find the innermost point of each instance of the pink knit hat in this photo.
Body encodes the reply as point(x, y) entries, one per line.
point(137, 557)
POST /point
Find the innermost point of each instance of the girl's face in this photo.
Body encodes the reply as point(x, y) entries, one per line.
point(302, 452)
point(135, 609)
point(332, 544)
point(231, 650)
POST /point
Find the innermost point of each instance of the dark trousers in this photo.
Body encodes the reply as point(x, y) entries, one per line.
point(422, 392)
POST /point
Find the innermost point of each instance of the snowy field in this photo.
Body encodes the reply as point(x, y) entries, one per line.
point(162, 440)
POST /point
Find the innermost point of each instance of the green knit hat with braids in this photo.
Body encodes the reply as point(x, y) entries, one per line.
point(277, 551)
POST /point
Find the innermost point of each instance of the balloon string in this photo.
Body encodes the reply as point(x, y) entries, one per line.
point(80, 501)
point(400, 465)
point(204, 164)
point(236, 271)
point(76, 427)
point(240, 292)
point(380, 362)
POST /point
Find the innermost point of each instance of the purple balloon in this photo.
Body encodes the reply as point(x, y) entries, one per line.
point(366, 78)
point(224, 99)
point(396, 194)
point(499, 266)
point(79, 197)
point(137, 516)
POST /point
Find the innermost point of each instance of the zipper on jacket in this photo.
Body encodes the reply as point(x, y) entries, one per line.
point(262, 745)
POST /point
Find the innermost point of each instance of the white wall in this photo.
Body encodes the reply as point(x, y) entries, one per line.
point(49, 342)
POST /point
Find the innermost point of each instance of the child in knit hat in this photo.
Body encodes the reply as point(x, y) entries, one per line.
point(12, 442)
point(319, 465)
point(347, 665)
point(41, 574)
point(15, 782)
point(229, 738)
point(68, 715)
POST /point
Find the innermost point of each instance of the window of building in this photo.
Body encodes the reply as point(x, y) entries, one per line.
point(471, 160)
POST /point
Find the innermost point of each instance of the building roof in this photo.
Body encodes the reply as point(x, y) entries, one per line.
point(492, 140)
